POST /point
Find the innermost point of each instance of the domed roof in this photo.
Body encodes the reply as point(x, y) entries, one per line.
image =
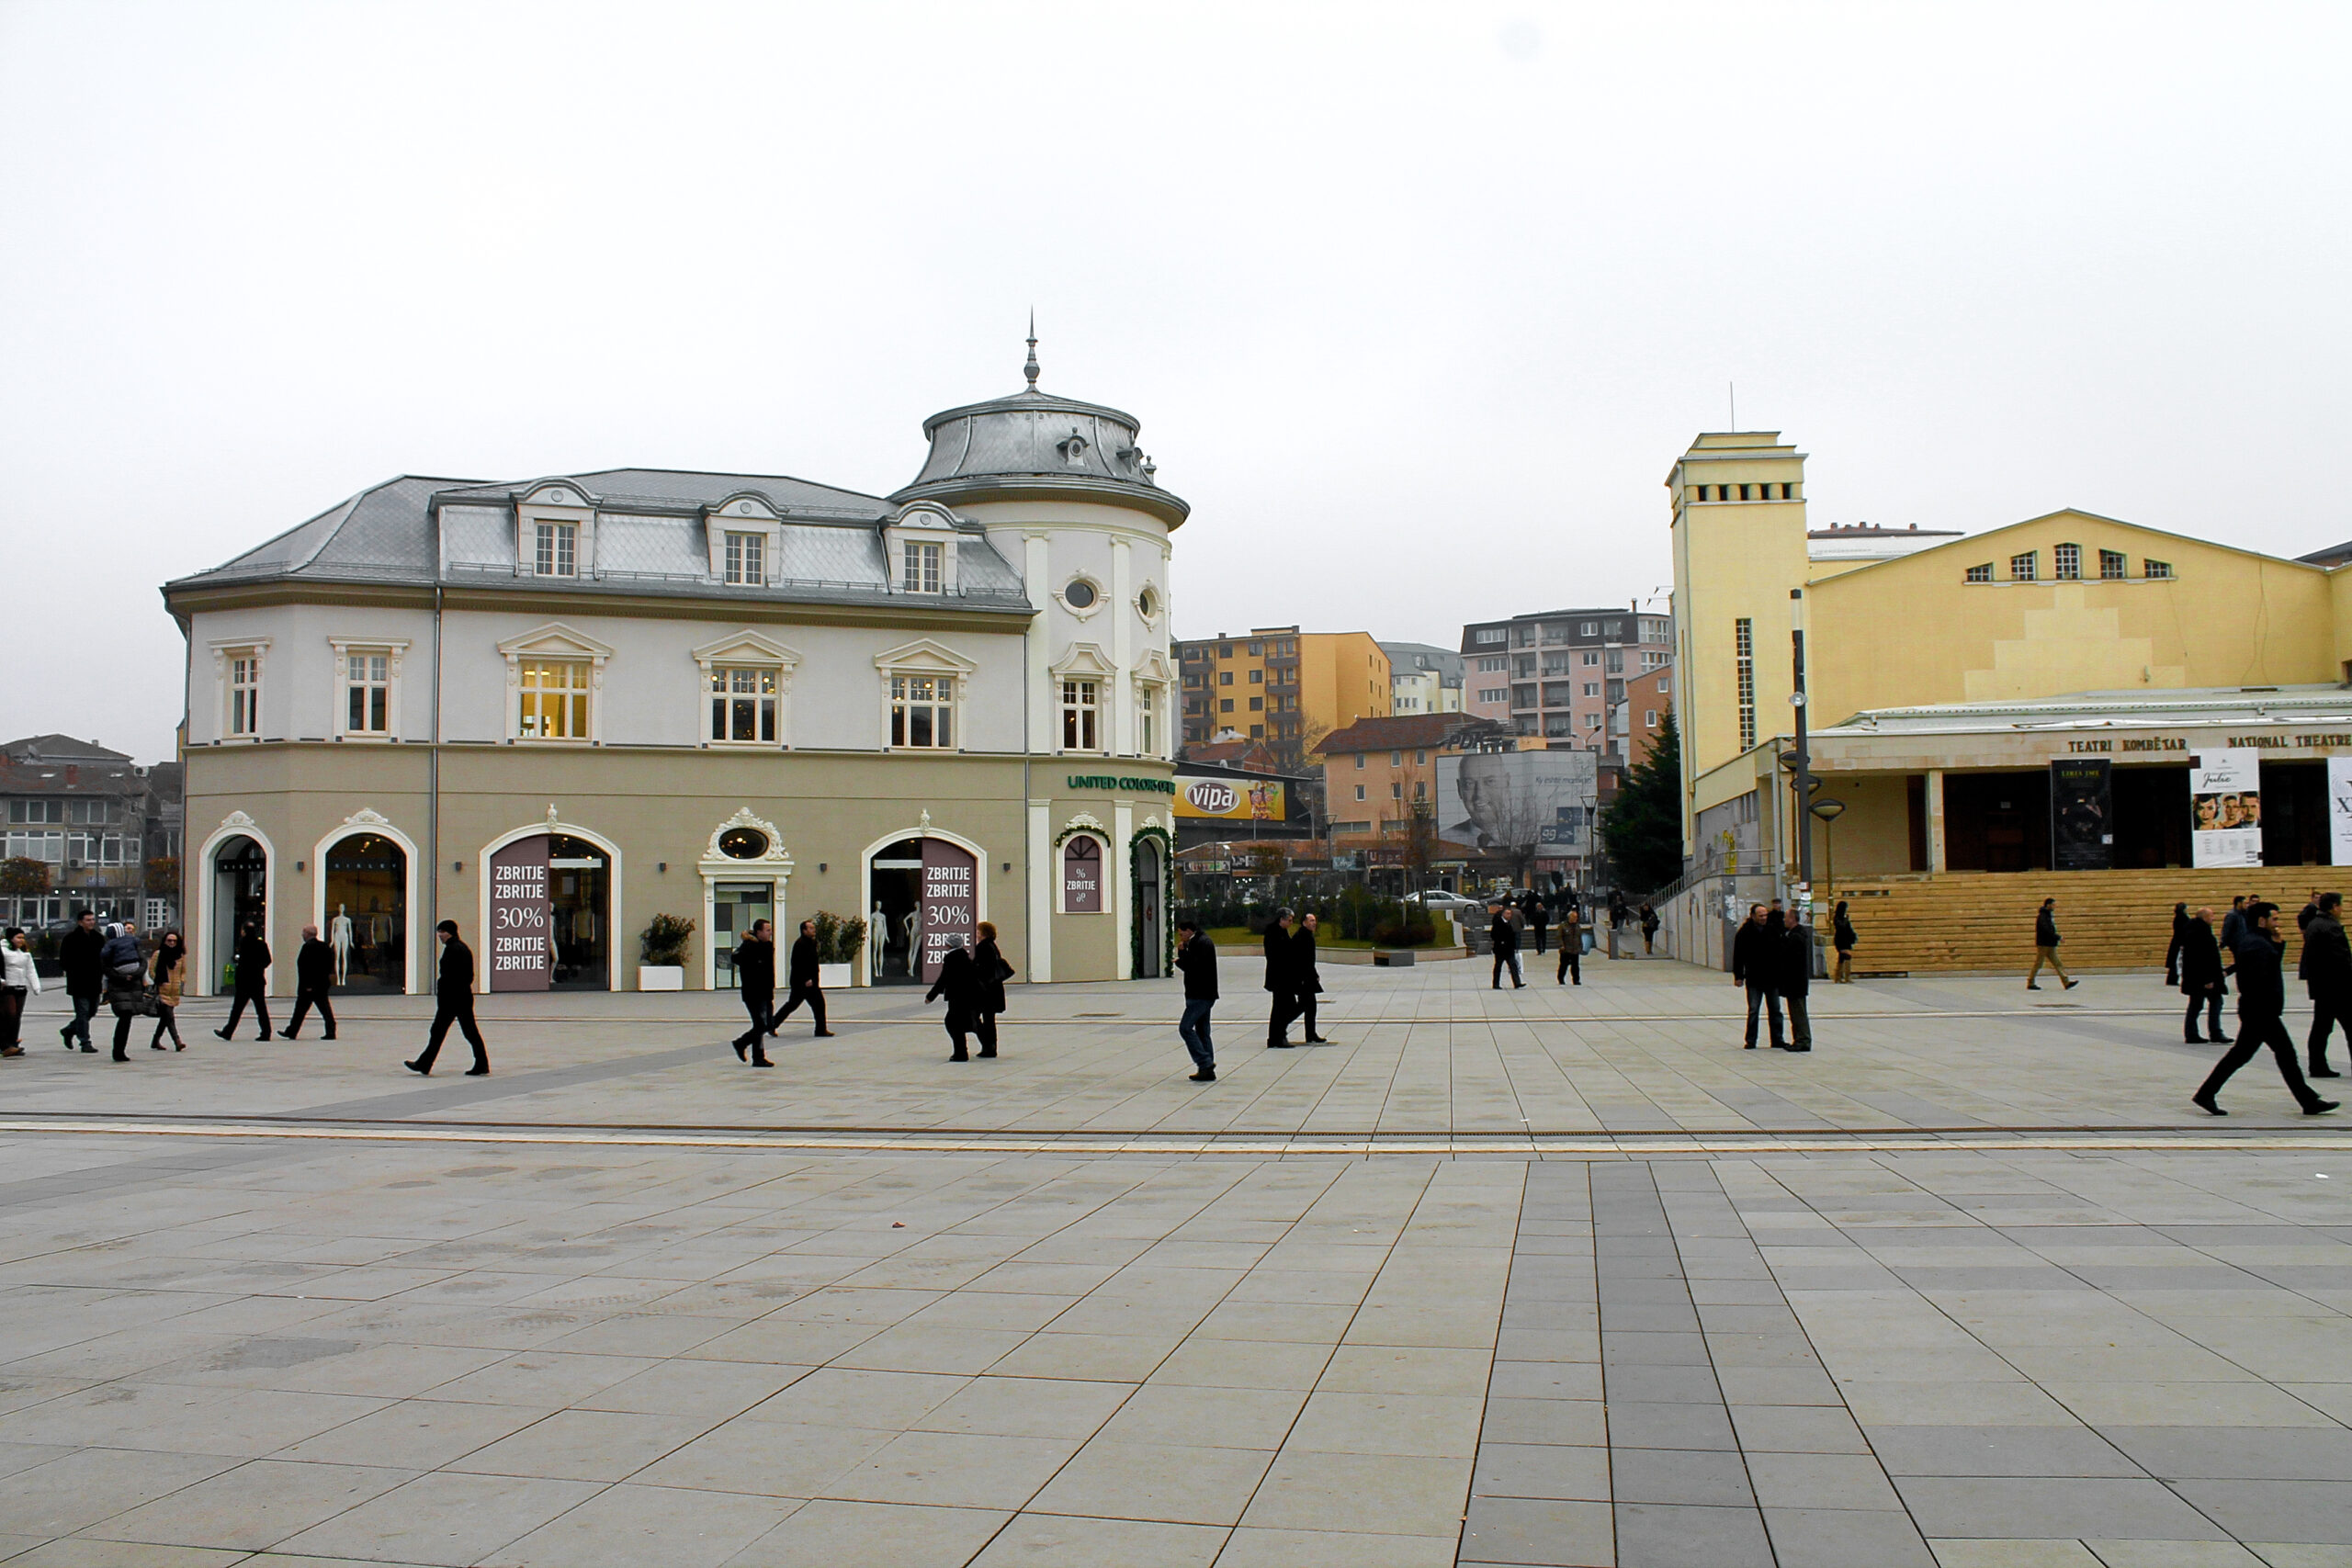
point(1035, 444)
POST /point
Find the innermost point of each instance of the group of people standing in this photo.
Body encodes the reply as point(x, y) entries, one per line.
point(1771, 957)
point(1505, 920)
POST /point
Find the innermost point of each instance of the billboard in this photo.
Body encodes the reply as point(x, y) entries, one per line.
point(1510, 802)
point(1246, 800)
point(2225, 808)
point(2339, 811)
point(2082, 814)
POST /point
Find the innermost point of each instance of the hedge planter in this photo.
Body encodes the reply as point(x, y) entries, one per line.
point(836, 976)
point(660, 976)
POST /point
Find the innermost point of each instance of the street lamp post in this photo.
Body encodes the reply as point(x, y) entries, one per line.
point(1804, 770)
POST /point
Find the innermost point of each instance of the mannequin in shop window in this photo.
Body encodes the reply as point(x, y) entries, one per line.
point(877, 942)
point(339, 937)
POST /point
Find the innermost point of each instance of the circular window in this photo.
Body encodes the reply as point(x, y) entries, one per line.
point(1147, 601)
point(743, 843)
point(1080, 595)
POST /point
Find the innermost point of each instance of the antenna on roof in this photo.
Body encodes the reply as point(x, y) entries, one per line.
point(1731, 390)
point(1029, 369)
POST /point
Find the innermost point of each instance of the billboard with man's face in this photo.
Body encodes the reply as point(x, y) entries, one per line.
point(1512, 801)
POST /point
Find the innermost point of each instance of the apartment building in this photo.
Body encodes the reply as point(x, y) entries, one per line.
point(1422, 679)
point(1281, 685)
point(1557, 673)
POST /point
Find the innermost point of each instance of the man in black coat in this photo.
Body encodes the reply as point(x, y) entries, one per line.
point(1538, 920)
point(453, 997)
point(1196, 961)
point(2045, 946)
point(1503, 937)
point(1281, 983)
point(2262, 999)
point(2327, 970)
point(1792, 980)
point(803, 977)
point(1305, 976)
point(1571, 945)
point(252, 983)
point(313, 975)
point(959, 983)
point(81, 954)
point(754, 960)
point(2201, 978)
point(1753, 965)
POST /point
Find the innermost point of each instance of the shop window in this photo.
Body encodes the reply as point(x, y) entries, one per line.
point(1981, 573)
point(2114, 566)
point(743, 702)
point(556, 550)
point(554, 700)
point(922, 711)
point(2066, 563)
point(2155, 570)
point(1081, 715)
point(2024, 568)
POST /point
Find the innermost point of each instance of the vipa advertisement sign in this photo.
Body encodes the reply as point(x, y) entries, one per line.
point(1246, 800)
point(2225, 808)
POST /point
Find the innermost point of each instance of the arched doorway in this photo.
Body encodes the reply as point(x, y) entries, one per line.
point(547, 902)
point(367, 912)
point(1150, 883)
point(240, 898)
point(922, 903)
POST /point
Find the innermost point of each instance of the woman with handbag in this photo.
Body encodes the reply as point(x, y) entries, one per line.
point(167, 974)
point(987, 999)
point(1841, 938)
point(19, 983)
point(126, 975)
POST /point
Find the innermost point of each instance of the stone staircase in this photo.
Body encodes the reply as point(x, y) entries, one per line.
point(1962, 921)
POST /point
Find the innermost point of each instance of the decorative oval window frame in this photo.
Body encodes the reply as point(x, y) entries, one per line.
point(1150, 603)
point(765, 846)
point(1083, 612)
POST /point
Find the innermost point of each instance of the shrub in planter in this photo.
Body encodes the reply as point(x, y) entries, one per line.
point(840, 938)
point(1417, 933)
point(664, 945)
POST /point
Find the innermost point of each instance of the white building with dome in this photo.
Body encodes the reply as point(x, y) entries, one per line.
point(552, 709)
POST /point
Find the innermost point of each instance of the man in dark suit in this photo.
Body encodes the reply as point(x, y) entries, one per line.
point(1792, 979)
point(1281, 983)
point(1305, 976)
point(86, 976)
point(453, 996)
point(754, 960)
point(1196, 959)
point(2262, 998)
point(1753, 965)
point(2327, 970)
point(252, 983)
point(313, 976)
point(804, 988)
point(1503, 937)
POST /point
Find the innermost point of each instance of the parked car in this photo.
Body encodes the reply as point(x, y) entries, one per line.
point(1438, 898)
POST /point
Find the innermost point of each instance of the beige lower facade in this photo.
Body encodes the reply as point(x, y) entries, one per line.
point(374, 844)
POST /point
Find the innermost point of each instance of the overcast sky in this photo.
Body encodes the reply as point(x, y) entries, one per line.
point(1417, 304)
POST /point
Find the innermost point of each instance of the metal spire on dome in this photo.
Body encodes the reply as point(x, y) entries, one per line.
point(1029, 369)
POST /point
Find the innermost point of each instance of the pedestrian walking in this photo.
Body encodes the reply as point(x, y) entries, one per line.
point(453, 997)
point(126, 970)
point(1649, 931)
point(167, 972)
point(956, 982)
point(1793, 982)
point(1841, 941)
point(313, 977)
point(2262, 1001)
point(1280, 983)
point(754, 960)
point(2303, 919)
point(2045, 946)
point(1538, 920)
point(1571, 946)
point(1196, 961)
point(2233, 928)
point(2327, 972)
point(19, 983)
point(1307, 977)
point(1752, 966)
point(86, 976)
point(2201, 978)
point(252, 986)
point(1503, 937)
point(2181, 923)
point(990, 974)
point(804, 975)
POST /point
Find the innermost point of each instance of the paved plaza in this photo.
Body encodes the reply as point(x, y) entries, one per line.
point(1540, 1277)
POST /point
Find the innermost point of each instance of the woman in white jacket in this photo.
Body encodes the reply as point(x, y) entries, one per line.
point(19, 983)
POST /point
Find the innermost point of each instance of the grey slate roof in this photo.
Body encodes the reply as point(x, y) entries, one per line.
point(650, 541)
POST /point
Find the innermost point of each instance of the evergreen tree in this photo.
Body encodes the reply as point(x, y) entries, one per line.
point(1643, 826)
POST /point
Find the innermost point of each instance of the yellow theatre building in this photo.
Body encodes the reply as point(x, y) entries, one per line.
point(1947, 673)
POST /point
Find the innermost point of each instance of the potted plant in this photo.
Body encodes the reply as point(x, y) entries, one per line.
point(839, 941)
point(663, 949)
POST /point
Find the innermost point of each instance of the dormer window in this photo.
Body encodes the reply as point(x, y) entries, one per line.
point(747, 560)
point(921, 568)
point(1073, 449)
point(556, 550)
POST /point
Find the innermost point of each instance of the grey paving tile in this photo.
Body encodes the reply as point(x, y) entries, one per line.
point(1540, 1470)
point(1554, 1534)
point(1567, 1421)
point(1710, 1477)
point(2249, 1453)
point(1679, 1536)
point(1823, 1538)
point(1670, 1424)
point(2041, 1508)
point(2315, 1512)
point(1997, 1450)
